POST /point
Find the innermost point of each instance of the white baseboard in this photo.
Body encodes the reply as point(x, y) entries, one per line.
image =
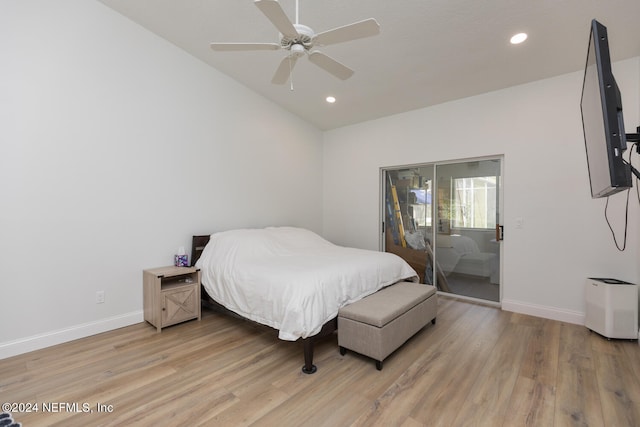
point(545, 312)
point(47, 339)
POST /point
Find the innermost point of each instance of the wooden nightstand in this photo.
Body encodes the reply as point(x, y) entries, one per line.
point(171, 295)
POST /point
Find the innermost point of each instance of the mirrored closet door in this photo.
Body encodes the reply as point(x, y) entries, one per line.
point(443, 219)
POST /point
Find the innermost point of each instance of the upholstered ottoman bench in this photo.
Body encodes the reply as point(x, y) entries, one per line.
point(380, 323)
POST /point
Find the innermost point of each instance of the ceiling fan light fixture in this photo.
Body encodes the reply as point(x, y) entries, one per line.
point(330, 99)
point(518, 38)
point(297, 49)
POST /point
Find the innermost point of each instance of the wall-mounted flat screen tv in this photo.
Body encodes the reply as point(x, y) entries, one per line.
point(602, 122)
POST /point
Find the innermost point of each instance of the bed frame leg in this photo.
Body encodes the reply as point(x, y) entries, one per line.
point(309, 367)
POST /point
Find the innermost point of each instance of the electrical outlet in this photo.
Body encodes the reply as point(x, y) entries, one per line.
point(99, 297)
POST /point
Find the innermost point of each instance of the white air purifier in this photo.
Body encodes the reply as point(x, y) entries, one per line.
point(612, 308)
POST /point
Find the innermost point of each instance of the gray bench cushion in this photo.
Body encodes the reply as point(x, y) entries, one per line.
point(387, 304)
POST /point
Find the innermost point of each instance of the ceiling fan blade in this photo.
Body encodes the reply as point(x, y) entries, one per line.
point(284, 70)
point(273, 11)
point(222, 47)
point(357, 30)
point(330, 65)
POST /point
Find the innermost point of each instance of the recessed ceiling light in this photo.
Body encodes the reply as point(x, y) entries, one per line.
point(331, 99)
point(519, 38)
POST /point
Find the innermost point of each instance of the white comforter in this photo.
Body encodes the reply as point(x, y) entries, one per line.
point(292, 279)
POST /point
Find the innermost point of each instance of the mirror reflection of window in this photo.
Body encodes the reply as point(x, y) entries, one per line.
point(474, 202)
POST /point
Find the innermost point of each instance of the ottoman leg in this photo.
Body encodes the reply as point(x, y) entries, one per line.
point(343, 351)
point(379, 365)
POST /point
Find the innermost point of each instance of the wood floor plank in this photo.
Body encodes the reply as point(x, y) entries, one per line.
point(452, 385)
point(489, 397)
point(577, 397)
point(412, 387)
point(532, 403)
point(619, 389)
point(477, 366)
point(540, 362)
point(430, 339)
point(577, 390)
point(410, 422)
point(321, 397)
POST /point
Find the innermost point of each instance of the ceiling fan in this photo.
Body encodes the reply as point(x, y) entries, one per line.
point(299, 39)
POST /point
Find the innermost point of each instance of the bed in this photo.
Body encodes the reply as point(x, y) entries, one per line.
point(291, 279)
point(460, 254)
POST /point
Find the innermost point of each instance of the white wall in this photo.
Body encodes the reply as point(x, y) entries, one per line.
point(538, 129)
point(116, 147)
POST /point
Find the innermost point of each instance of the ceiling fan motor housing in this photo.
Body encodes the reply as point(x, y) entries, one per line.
point(304, 39)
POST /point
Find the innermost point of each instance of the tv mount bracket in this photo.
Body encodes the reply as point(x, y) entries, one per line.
point(634, 137)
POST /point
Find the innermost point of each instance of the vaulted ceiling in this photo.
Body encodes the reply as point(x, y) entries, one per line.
point(428, 51)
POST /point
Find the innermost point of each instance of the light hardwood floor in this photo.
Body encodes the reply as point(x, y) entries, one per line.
point(477, 366)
